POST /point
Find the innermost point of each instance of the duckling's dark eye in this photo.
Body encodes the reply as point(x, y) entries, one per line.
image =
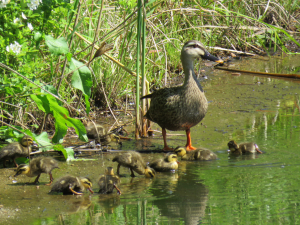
point(195, 46)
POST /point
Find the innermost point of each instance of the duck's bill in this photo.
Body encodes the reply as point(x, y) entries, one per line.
point(210, 57)
point(91, 190)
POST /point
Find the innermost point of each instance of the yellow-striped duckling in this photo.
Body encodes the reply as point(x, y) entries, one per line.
point(69, 185)
point(38, 166)
point(242, 148)
point(108, 182)
point(133, 161)
point(198, 154)
point(16, 150)
point(168, 163)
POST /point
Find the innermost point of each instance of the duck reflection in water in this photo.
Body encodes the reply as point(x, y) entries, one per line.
point(186, 198)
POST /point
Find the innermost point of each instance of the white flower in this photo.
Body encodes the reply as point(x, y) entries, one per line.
point(3, 3)
point(16, 20)
point(30, 26)
point(15, 48)
point(24, 17)
point(34, 4)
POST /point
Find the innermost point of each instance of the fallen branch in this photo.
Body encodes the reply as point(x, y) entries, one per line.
point(261, 73)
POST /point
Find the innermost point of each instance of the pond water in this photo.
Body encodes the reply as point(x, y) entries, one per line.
point(256, 189)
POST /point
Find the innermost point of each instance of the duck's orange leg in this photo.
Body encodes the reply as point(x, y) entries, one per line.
point(166, 147)
point(189, 146)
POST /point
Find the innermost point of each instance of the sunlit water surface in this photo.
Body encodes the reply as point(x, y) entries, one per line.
point(256, 189)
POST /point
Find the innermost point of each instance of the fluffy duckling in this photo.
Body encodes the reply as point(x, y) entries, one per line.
point(98, 132)
point(198, 154)
point(16, 150)
point(166, 164)
point(242, 148)
point(134, 161)
point(108, 182)
point(69, 185)
point(38, 166)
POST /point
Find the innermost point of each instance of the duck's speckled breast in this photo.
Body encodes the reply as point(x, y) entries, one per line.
point(178, 108)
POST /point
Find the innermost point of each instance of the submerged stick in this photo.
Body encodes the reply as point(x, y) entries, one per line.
point(261, 73)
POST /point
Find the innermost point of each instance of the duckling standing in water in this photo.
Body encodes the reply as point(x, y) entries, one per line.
point(16, 150)
point(166, 164)
point(69, 185)
point(134, 161)
point(242, 148)
point(198, 154)
point(108, 182)
point(38, 166)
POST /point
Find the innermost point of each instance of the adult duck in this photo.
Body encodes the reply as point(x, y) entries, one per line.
point(182, 107)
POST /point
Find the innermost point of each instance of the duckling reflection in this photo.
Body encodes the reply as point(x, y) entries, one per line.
point(136, 185)
point(80, 204)
point(186, 198)
point(242, 148)
point(109, 202)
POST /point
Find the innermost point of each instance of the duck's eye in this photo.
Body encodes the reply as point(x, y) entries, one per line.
point(195, 46)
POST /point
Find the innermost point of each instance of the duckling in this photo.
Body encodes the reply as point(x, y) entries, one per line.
point(198, 154)
point(134, 161)
point(242, 148)
point(98, 132)
point(38, 166)
point(108, 182)
point(16, 150)
point(69, 185)
point(166, 164)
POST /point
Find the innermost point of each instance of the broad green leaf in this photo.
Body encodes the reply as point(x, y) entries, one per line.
point(41, 102)
point(67, 152)
point(38, 36)
point(43, 140)
point(51, 89)
point(63, 121)
point(82, 77)
point(57, 46)
point(48, 104)
point(87, 104)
